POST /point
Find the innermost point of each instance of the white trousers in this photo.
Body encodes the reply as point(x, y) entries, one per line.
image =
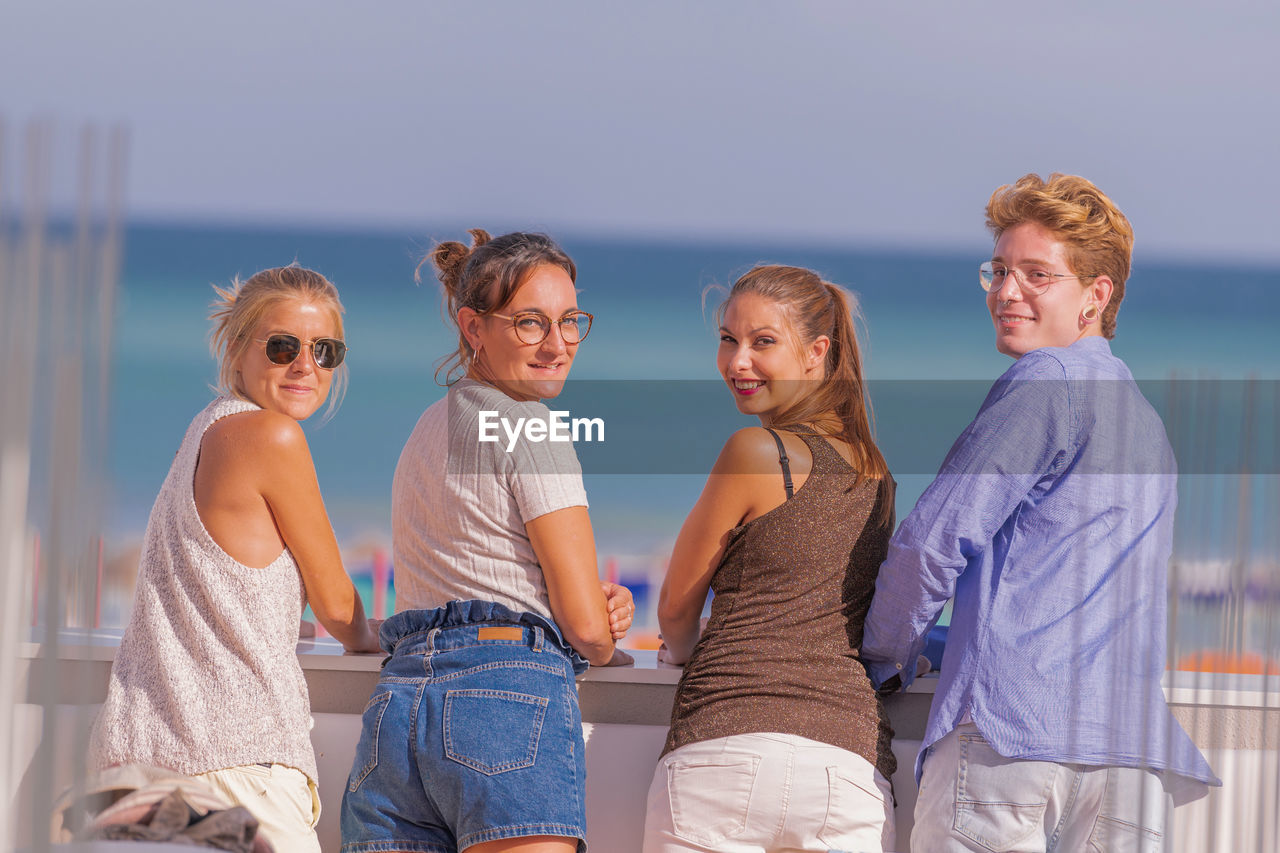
point(973, 798)
point(768, 792)
point(283, 799)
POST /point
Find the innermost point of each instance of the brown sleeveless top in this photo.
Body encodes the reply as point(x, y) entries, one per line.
point(780, 651)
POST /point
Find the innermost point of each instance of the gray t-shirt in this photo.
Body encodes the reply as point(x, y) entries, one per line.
point(459, 504)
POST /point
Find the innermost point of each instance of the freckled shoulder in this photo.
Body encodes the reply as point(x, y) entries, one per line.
point(258, 433)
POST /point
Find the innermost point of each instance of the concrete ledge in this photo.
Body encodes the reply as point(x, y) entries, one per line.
point(1217, 710)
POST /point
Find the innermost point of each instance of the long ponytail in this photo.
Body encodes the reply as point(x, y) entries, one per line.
point(839, 403)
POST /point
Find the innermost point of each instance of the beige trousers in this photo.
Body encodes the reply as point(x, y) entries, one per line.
point(283, 799)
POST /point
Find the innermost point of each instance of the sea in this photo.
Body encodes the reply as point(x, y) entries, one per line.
point(1200, 336)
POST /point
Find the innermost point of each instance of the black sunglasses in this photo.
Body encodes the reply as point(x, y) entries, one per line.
point(327, 353)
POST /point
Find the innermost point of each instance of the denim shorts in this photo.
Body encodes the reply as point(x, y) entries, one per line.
point(473, 734)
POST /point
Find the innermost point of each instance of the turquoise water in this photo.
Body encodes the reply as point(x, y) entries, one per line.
point(926, 327)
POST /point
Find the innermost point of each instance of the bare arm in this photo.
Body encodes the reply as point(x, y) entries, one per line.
point(566, 550)
point(286, 479)
point(730, 497)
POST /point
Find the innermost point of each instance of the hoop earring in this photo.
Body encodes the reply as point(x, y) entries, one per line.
point(1087, 317)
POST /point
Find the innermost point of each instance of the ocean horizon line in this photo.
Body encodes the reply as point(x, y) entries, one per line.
point(1154, 258)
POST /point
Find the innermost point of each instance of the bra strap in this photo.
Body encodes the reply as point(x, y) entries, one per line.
point(785, 462)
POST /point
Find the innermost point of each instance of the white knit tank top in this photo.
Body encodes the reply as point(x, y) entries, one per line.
point(207, 675)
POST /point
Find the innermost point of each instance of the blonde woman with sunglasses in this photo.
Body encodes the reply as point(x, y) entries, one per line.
point(206, 681)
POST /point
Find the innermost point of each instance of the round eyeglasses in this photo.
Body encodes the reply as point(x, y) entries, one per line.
point(532, 327)
point(327, 353)
point(991, 277)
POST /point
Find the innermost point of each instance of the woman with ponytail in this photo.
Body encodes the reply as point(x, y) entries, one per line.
point(472, 739)
point(777, 740)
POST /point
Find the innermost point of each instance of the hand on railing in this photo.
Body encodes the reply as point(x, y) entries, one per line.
point(620, 658)
point(664, 653)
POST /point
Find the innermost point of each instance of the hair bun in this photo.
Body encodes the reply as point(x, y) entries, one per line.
point(450, 260)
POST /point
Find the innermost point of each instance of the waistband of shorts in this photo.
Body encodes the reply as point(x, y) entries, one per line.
point(419, 629)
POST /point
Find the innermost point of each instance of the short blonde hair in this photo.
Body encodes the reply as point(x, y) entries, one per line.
point(239, 308)
point(1098, 237)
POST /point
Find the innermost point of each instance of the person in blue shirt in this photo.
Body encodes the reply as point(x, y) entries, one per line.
point(1051, 524)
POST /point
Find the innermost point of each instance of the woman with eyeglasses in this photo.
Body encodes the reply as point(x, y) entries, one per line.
point(473, 739)
point(777, 740)
point(206, 681)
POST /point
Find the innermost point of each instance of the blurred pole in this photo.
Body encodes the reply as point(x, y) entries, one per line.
point(97, 590)
point(59, 262)
point(35, 581)
point(17, 343)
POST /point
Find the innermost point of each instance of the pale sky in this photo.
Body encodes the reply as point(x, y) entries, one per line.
point(853, 123)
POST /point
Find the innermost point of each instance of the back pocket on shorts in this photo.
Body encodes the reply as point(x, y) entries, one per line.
point(711, 796)
point(1000, 801)
point(493, 731)
point(854, 808)
point(367, 749)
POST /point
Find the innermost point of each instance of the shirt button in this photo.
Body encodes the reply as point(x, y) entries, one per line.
point(898, 665)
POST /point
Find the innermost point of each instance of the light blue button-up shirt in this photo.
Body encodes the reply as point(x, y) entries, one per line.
point(1051, 522)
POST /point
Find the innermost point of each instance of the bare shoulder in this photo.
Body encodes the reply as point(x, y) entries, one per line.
point(750, 450)
point(258, 434)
